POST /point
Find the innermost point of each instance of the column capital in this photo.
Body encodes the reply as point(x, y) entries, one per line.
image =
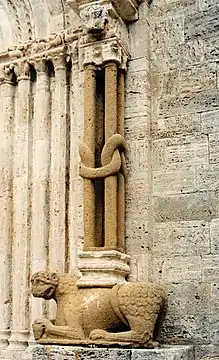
point(105, 37)
point(6, 74)
point(22, 70)
point(72, 52)
point(59, 61)
point(101, 52)
point(102, 21)
point(96, 11)
point(39, 64)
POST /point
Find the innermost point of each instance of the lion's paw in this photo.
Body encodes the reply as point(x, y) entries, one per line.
point(39, 328)
point(98, 334)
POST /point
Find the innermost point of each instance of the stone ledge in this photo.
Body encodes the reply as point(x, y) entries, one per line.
point(52, 352)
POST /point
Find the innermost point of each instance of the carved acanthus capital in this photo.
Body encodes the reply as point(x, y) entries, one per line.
point(95, 11)
point(39, 65)
point(22, 70)
point(59, 61)
point(104, 51)
point(7, 74)
point(95, 17)
point(72, 52)
point(105, 37)
point(102, 21)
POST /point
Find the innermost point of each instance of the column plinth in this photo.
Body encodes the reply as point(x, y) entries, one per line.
point(103, 268)
point(18, 340)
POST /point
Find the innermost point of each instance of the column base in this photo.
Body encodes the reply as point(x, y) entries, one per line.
point(104, 268)
point(4, 336)
point(31, 343)
point(28, 353)
point(18, 340)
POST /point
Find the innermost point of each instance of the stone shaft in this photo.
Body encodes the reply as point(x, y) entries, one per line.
point(57, 236)
point(21, 216)
point(121, 180)
point(89, 138)
point(40, 176)
point(110, 183)
point(7, 93)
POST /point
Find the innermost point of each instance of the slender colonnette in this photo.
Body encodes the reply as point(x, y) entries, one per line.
point(40, 176)
point(21, 208)
point(7, 95)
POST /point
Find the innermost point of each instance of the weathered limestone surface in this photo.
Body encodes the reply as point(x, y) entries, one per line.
point(185, 104)
point(137, 134)
point(68, 352)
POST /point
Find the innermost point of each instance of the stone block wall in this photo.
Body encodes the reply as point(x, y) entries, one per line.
point(185, 158)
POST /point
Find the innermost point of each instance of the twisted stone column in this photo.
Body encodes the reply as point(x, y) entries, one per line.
point(21, 209)
point(105, 51)
point(7, 91)
point(103, 262)
point(58, 168)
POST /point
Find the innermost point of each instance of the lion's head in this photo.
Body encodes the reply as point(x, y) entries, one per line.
point(44, 284)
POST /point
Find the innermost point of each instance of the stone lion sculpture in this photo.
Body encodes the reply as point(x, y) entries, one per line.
point(127, 314)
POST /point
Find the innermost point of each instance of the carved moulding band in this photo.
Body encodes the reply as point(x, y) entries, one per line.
point(48, 48)
point(102, 268)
